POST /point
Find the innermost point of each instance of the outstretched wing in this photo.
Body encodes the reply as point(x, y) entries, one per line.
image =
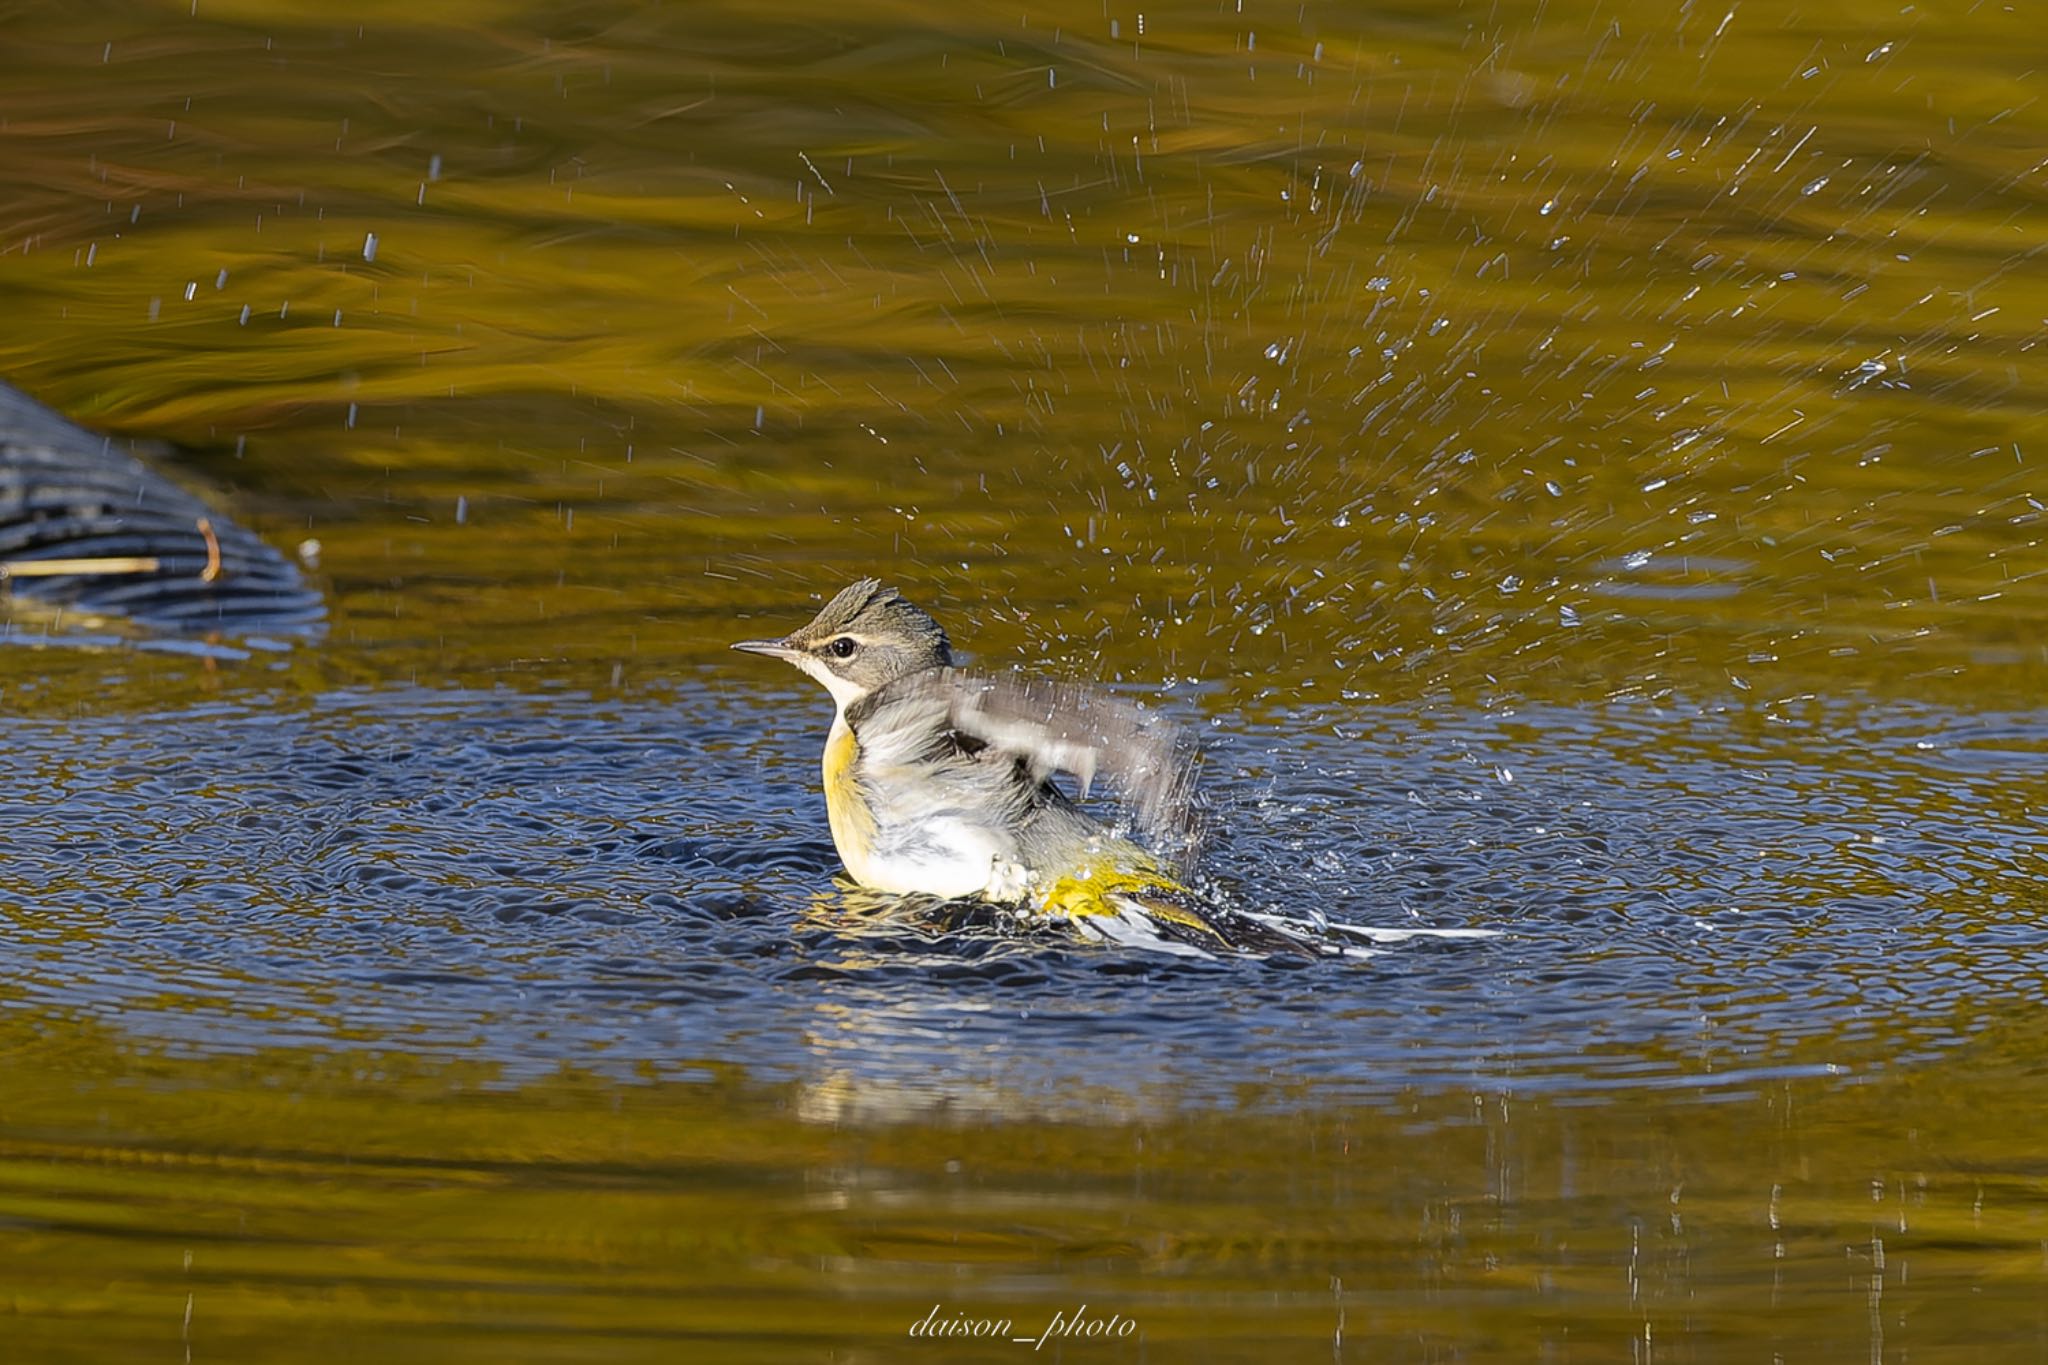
point(84, 524)
point(1147, 761)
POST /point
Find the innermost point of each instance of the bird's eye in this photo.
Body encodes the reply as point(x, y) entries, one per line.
point(844, 647)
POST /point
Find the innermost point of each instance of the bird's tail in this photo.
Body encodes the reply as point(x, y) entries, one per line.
point(1148, 909)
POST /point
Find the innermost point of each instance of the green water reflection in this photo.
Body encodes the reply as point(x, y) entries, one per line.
point(1427, 357)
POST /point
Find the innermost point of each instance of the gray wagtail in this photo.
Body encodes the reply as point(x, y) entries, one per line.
point(941, 782)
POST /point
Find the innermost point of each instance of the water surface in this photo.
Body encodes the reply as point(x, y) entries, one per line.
point(1574, 465)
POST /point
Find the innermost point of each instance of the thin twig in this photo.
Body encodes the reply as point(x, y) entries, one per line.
point(212, 569)
point(57, 568)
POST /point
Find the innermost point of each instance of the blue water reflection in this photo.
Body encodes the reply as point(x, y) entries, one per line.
point(1693, 895)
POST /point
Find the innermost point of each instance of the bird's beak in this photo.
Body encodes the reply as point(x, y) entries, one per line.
point(774, 649)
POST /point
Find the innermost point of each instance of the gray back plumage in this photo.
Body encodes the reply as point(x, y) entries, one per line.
point(997, 740)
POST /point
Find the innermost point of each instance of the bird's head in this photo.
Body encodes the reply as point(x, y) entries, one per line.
point(866, 637)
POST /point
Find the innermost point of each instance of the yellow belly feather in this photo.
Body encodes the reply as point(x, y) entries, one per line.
point(853, 824)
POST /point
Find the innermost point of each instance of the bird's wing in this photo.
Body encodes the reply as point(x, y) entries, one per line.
point(1146, 760)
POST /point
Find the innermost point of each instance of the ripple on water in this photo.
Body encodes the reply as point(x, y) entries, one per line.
point(1691, 896)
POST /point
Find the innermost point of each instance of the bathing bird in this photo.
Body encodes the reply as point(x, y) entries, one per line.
point(944, 782)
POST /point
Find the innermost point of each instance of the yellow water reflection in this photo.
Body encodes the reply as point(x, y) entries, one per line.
point(325, 1205)
point(1325, 334)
